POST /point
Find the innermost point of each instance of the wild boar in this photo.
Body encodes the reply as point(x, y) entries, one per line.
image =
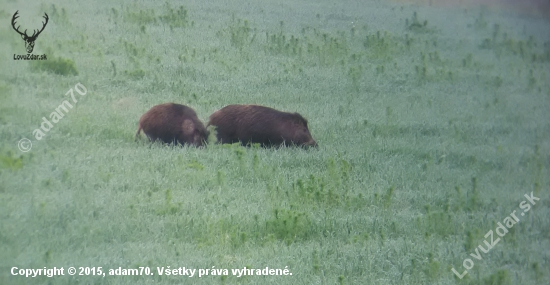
point(173, 123)
point(258, 124)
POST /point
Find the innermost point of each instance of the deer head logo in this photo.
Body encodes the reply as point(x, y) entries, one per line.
point(29, 41)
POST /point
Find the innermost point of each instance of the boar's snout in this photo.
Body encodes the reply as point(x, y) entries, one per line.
point(311, 143)
point(200, 138)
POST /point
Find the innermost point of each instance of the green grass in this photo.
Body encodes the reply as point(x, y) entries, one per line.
point(432, 125)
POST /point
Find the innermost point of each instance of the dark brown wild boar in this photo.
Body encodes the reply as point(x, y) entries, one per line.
point(258, 124)
point(173, 123)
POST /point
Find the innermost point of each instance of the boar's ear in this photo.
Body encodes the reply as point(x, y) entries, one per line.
point(188, 127)
point(300, 119)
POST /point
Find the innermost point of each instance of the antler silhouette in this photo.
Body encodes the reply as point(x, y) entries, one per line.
point(43, 26)
point(15, 16)
point(29, 41)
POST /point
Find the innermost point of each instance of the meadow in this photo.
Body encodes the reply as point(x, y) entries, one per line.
point(433, 122)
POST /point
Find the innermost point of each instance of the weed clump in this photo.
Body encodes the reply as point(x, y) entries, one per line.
point(432, 268)
point(241, 34)
point(439, 222)
point(472, 201)
point(169, 208)
point(11, 161)
point(415, 24)
point(288, 225)
point(500, 277)
point(144, 16)
point(175, 17)
point(135, 74)
point(61, 66)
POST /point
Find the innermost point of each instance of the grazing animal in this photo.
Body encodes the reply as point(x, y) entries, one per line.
point(258, 124)
point(173, 123)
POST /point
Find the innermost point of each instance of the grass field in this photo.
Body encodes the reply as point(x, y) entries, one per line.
point(433, 123)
